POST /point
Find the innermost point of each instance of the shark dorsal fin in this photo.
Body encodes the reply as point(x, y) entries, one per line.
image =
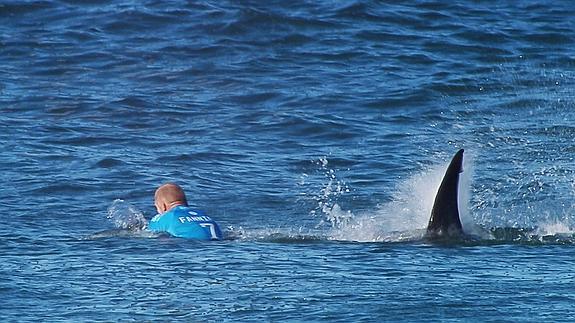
point(444, 220)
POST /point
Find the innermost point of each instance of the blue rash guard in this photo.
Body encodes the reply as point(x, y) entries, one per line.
point(184, 222)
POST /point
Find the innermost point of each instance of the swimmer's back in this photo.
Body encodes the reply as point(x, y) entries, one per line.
point(185, 222)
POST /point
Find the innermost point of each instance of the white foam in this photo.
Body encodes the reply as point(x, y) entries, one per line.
point(124, 215)
point(553, 228)
point(407, 215)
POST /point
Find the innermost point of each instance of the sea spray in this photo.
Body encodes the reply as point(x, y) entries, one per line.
point(406, 216)
point(328, 196)
point(125, 216)
point(552, 224)
point(400, 219)
point(553, 228)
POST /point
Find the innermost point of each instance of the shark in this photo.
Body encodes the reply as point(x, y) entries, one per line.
point(444, 221)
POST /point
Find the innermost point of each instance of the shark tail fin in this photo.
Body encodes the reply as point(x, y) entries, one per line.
point(444, 220)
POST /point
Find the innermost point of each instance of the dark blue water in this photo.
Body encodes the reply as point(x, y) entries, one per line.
point(315, 133)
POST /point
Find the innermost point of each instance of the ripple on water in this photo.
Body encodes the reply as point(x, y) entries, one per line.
point(300, 126)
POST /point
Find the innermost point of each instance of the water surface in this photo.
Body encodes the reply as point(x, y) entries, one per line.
point(314, 132)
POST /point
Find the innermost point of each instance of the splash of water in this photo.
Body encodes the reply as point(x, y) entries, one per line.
point(327, 205)
point(406, 216)
point(558, 222)
point(553, 228)
point(125, 216)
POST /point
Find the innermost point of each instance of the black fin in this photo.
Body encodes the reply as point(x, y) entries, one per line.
point(444, 220)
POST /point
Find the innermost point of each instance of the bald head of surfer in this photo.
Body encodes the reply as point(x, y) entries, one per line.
point(169, 196)
point(177, 219)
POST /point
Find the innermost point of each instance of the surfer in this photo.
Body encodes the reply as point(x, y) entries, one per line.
point(178, 219)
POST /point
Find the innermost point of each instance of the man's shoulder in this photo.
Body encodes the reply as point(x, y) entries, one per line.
point(188, 211)
point(162, 217)
point(182, 215)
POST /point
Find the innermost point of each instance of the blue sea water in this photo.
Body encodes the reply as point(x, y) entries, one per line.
point(314, 132)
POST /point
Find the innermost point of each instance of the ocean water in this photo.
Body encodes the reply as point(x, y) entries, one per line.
point(315, 132)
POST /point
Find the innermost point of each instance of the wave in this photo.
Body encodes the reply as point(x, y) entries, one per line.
point(120, 233)
point(493, 236)
point(547, 234)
